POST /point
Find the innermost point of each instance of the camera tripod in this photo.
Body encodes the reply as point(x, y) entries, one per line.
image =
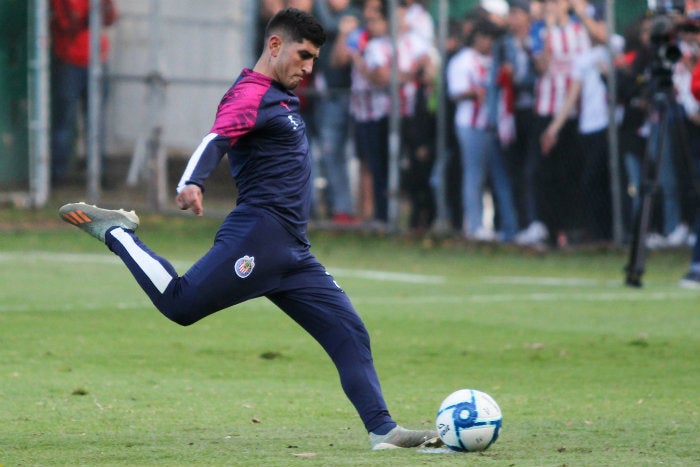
point(648, 185)
point(660, 116)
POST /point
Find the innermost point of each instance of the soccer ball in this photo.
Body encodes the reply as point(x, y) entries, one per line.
point(469, 420)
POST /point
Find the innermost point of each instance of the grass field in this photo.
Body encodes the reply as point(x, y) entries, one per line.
point(587, 372)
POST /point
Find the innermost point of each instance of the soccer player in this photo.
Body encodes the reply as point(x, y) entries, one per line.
point(261, 248)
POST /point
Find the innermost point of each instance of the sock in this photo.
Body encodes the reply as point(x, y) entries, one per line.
point(384, 429)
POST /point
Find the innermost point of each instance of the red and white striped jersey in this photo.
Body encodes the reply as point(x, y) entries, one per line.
point(412, 48)
point(564, 43)
point(466, 71)
point(368, 101)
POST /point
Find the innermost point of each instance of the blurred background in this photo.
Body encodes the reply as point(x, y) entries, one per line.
point(169, 63)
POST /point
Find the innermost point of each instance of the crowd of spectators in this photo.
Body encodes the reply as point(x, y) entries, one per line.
point(526, 85)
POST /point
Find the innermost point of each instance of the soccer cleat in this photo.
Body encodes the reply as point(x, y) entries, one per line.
point(400, 437)
point(96, 221)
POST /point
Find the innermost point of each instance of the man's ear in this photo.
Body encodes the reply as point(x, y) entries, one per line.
point(274, 44)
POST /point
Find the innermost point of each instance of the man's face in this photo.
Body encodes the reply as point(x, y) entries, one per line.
point(294, 62)
point(518, 19)
point(377, 26)
point(483, 43)
point(557, 8)
point(338, 5)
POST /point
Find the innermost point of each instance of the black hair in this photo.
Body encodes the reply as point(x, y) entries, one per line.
point(297, 25)
point(484, 28)
point(384, 9)
point(476, 14)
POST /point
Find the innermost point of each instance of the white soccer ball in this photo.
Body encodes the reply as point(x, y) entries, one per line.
point(469, 420)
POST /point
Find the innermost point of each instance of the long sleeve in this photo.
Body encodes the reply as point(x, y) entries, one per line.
point(236, 116)
point(203, 160)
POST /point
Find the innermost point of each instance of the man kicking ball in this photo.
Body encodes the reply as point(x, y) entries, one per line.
point(261, 248)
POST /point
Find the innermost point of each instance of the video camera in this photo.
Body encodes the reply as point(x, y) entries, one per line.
point(664, 15)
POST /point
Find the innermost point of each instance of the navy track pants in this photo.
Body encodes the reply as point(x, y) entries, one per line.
point(254, 255)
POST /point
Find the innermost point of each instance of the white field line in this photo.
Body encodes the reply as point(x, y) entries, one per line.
point(41, 256)
point(442, 299)
point(73, 258)
point(541, 281)
point(107, 258)
point(78, 306)
point(608, 295)
point(373, 275)
point(563, 297)
point(388, 276)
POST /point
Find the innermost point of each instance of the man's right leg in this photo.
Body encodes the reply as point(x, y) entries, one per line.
point(313, 299)
point(208, 286)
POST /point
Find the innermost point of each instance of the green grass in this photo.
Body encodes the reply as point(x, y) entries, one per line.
point(586, 371)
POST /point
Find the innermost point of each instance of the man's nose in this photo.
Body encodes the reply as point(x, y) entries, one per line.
point(307, 67)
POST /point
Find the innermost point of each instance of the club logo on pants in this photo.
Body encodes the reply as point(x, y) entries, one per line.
point(244, 266)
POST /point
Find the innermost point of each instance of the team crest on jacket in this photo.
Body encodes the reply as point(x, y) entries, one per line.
point(244, 266)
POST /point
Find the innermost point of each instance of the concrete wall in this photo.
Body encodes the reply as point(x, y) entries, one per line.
point(203, 46)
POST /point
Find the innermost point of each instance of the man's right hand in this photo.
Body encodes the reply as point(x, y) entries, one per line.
point(190, 198)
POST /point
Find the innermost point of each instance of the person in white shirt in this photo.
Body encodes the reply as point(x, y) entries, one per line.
point(419, 20)
point(467, 78)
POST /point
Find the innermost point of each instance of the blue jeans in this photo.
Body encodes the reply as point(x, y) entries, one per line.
point(69, 93)
point(481, 157)
point(667, 180)
point(332, 122)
